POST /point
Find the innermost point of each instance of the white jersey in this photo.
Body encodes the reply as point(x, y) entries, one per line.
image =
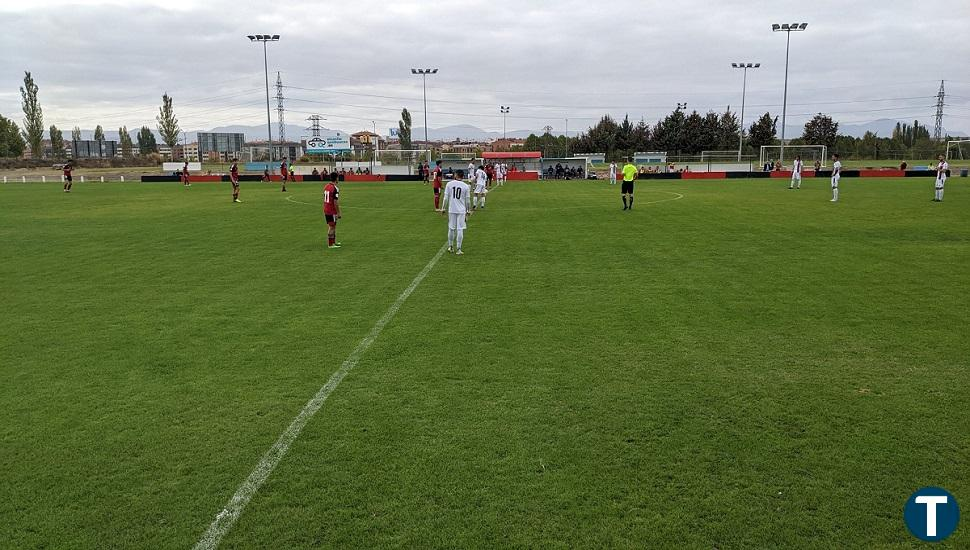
point(797, 169)
point(457, 197)
point(471, 170)
point(613, 170)
point(941, 169)
point(836, 173)
point(481, 178)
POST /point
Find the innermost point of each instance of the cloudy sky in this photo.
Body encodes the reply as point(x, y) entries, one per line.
point(108, 63)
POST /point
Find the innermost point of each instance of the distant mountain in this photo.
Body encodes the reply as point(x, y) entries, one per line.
point(883, 128)
point(465, 132)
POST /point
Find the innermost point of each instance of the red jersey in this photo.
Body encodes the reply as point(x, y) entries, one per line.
point(437, 178)
point(283, 168)
point(185, 172)
point(234, 172)
point(330, 197)
point(67, 171)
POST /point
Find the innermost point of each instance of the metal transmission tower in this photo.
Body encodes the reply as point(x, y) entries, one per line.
point(279, 113)
point(315, 125)
point(940, 96)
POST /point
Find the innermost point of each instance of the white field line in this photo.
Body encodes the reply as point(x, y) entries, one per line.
point(225, 519)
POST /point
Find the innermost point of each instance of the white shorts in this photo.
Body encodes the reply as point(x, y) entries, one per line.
point(940, 182)
point(479, 189)
point(456, 221)
point(835, 182)
point(796, 176)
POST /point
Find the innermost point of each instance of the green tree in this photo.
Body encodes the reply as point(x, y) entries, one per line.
point(124, 138)
point(668, 134)
point(11, 140)
point(730, 129)
point(868, 146)
point(763, 131)
point(146, 141)
point(404, 130)
point(821, 130)
point(57, 142)
point(168, 125)
point(98, 133)
point(76, 134)
point(33, 116)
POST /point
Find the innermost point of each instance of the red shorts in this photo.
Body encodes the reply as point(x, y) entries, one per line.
point(331, 219)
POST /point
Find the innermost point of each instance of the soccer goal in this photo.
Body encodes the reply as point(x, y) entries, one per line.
point(809, 154)
point(959, 147)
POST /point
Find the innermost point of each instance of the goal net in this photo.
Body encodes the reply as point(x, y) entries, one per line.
point(958, 149)
point(808, 153)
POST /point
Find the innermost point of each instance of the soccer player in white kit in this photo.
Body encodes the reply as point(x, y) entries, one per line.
point(459, 208)
point(941, 169)
point(836, 175)
point(481, 179)
point(612, 173)
point(471, 171)
point(796, 174)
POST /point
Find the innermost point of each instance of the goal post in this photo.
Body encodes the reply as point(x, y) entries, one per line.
point(961, 148)
point(808, 153)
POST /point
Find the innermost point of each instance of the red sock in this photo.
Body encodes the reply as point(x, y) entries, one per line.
point(330, 241)
point(436, 199)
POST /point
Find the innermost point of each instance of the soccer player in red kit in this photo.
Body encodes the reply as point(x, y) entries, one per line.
point(436, 185)
point(331, 210)
point(234, 179)
point(284, 174)
point(185, 175)
point(68, 179)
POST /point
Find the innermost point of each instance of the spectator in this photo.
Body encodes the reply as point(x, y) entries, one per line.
point(818, 164)
point(903, 165)
point(315, 172)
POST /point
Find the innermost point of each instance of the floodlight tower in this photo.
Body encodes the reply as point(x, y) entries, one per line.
point(264, 38)
point(744, 87)
point(504, 110)
point(786, 28)
point(424, 86)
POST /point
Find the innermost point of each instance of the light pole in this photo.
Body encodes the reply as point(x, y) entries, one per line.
point(681, 106)
point(504, 110)
point(786, 28)
point(744, 87)
point(264, 38)
point(424, 86)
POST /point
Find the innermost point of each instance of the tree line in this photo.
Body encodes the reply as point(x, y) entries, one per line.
point(14, 141)
point(683, 134)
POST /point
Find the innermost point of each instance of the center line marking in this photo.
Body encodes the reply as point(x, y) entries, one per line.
point(225, 519)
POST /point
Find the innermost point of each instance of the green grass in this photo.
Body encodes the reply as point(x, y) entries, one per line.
point(746, 366)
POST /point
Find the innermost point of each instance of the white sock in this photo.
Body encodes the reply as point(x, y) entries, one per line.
point(461, 236)
point(483, 200)
point(451, 236)
point(474, 201)
point(835, 193)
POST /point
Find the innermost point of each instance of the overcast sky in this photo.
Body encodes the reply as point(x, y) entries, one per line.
point(109, 62)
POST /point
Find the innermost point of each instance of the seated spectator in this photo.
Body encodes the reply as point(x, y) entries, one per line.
point(903, 165)
point(366, 171)
point(358, 170)
point(315, 172)
point(778, 166)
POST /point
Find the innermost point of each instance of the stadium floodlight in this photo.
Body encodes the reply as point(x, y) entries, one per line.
point(787, 29)
point(681, 105)
point(264, 38)
point(744, 88)
point(504, 110)
point(424, 86)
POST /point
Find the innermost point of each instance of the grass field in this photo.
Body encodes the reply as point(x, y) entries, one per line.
point(729, 365)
